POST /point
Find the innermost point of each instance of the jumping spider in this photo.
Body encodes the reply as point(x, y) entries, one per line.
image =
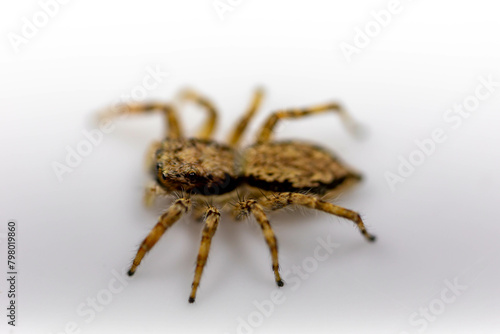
point(271, 174)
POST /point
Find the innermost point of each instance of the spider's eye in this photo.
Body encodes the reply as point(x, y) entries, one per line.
point(193, 177)
point(161, 174)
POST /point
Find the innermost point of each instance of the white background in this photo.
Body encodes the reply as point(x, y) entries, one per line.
point(440, 225)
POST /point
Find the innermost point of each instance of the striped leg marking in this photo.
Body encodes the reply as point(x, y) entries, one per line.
point(212, 218)
point(251, 206)
point(280, 200)
point(166, 220)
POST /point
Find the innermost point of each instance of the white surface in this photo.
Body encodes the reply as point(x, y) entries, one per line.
point(439, 226)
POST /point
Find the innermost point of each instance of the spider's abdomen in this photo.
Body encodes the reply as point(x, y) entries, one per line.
point(295, 167)
point(196, 166)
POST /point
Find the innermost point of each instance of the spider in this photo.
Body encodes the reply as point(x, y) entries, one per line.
point(271, 174)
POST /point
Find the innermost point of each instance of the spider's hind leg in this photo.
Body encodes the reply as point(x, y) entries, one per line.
point(267, 130)
point(281, 200)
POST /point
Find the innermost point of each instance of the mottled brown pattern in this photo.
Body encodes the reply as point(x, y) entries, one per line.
point(293, 166)
point(196, 166)
point(268, 175)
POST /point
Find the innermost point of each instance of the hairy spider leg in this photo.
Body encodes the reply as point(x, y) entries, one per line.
point(209, 126)
point(151, 192)
point(235, 135)
point(267, 130)
point(174, 212)
point(251, 206)
point(212, 217)
point(281, 200)
point(150, 160)
point(174, 129)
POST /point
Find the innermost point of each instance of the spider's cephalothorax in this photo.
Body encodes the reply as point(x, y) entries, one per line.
point(271, 174)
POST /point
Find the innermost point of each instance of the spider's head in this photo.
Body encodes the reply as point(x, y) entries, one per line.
point(174, 175)
point(196, 167)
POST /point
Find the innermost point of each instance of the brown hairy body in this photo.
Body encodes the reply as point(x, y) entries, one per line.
point(270, 174)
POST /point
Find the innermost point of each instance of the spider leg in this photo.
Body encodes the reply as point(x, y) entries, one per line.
point(152, 191)
point(151, 155)
point(212, 217)
point(235, 136)
point(172, 123)
point(267, 130)
point(208, 128)
point(251, 206)
point(280, 200)
point(166, 220)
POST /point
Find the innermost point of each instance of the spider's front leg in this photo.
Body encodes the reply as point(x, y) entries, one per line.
point(151, 192)
point(180, 206)
point(212, 217)
point(245, 208)
point(211, 123)
point(174, 129)
point(150, 160)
